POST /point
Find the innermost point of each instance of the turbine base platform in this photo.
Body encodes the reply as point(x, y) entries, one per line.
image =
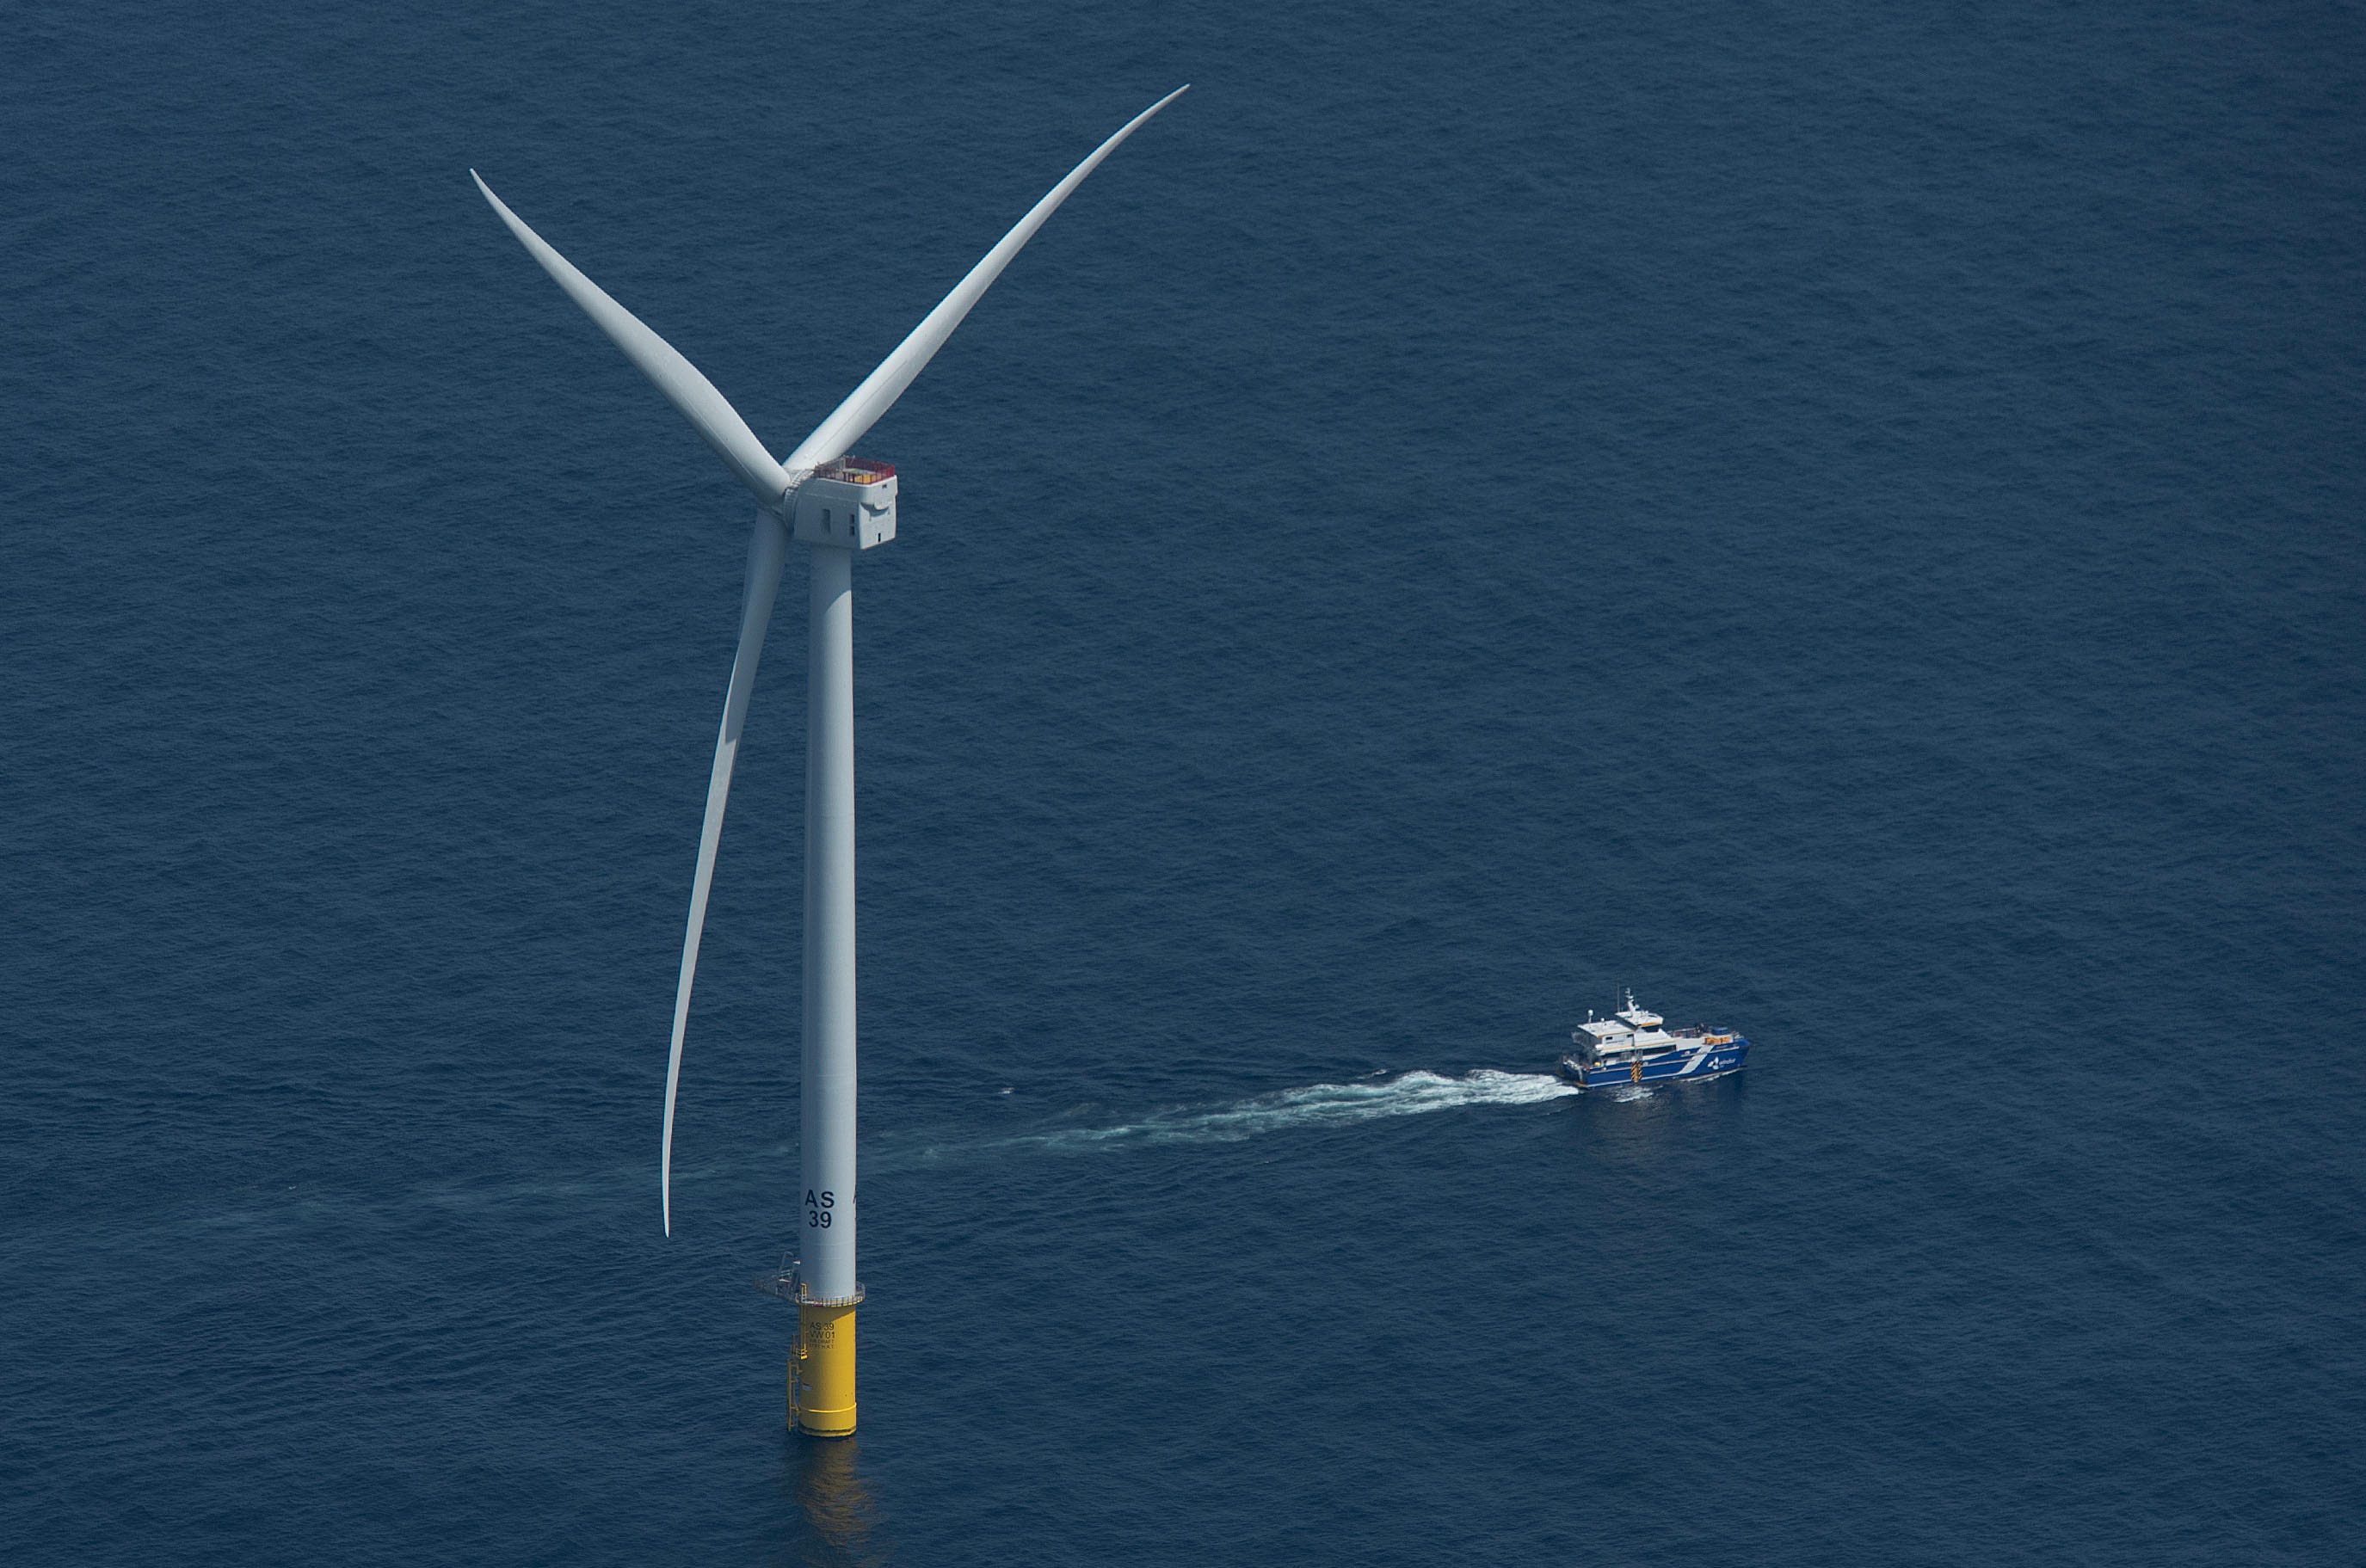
point(821, 1361)
point(821, 1372)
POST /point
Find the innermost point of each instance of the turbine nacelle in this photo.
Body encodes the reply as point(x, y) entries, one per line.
point(849, 504)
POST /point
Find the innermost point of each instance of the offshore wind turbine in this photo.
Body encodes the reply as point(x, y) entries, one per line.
point(837, 506)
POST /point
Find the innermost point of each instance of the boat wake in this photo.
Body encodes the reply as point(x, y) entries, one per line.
point(1315, 1105)
point(1320, 1104)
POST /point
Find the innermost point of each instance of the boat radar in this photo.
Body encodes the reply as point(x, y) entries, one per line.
point(837, 506)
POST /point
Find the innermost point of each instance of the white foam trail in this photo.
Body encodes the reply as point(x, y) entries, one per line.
point(1319, 1105)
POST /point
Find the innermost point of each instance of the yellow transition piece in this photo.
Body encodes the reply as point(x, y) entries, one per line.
point(821, 1372)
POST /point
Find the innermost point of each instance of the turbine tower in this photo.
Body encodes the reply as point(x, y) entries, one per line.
point(837, 506)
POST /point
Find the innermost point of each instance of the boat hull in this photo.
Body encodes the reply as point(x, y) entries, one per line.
point(1688, 1066)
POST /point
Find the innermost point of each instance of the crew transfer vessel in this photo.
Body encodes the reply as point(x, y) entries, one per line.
point(1635, 1046)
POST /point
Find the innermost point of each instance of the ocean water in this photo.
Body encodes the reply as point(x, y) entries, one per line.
point(1845, 517)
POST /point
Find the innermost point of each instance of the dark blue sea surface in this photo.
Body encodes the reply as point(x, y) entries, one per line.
point(1848, 518)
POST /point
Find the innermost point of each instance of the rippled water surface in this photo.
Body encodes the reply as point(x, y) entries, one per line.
point(1842, 517)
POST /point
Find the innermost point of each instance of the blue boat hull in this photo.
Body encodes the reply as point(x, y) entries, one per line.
point(1688, 1066)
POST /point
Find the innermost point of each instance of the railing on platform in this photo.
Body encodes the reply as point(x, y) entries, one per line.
point(787, 1282)
point(855, 470)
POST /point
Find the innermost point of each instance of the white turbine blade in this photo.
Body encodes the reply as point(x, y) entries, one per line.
point(766, 552)
point(684, 387)
point(880, 389)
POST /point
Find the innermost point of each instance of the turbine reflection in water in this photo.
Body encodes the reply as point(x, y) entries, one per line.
point(836, 1524)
